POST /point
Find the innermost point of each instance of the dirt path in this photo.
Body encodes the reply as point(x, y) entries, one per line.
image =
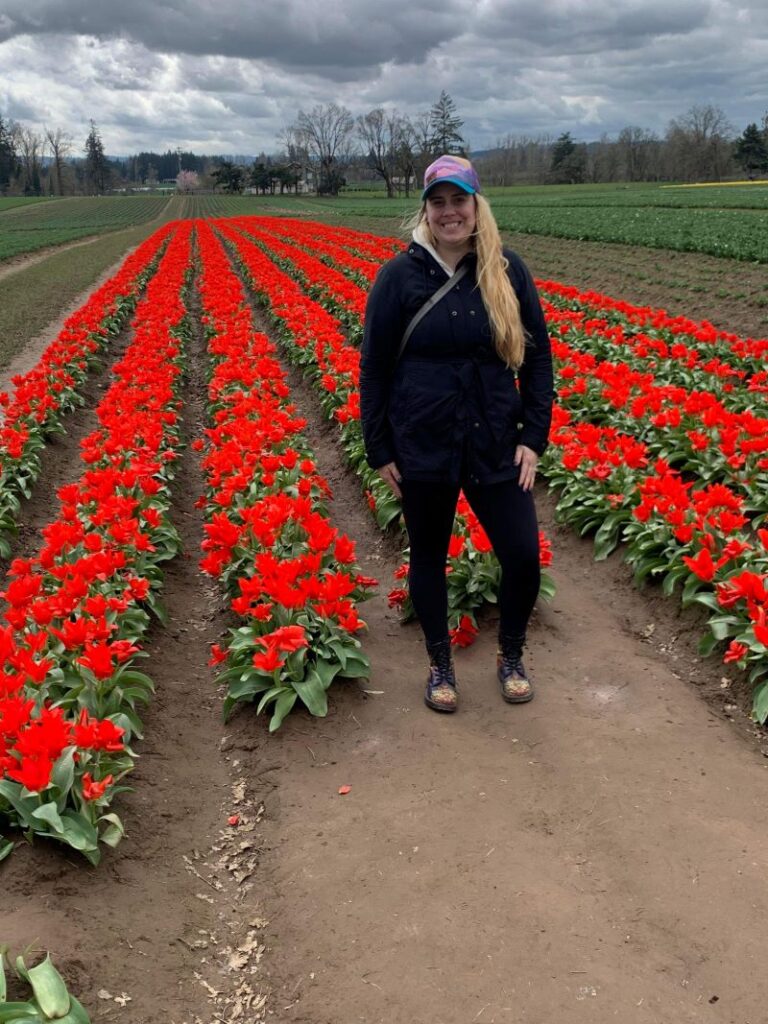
point(730, 294)
point(25, 260)
point(597, 855)
point(17, 263)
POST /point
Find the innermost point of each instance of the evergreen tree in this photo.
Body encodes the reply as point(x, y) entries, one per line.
point(288, 176)
point(751, 150)
point(261, 177)
point(96, 167)
point(445, 127)
point(9, 164)
point(230, 176)
point(569, 160)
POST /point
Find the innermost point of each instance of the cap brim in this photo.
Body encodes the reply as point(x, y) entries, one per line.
point(453, 181)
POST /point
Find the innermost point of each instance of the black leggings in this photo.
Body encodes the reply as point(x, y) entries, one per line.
point(508, 515)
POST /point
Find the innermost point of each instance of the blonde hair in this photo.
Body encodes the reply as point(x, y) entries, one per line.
point(496, 289)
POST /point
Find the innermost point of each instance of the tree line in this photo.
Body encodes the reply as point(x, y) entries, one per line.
point(699, 145)
point(42, 163)
point(49, 163)
point(327, 148)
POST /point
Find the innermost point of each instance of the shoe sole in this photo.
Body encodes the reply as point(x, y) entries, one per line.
point(440, 707)
point(517, 700)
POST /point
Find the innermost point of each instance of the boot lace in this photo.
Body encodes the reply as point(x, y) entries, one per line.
point(442, 665)
point(511, 652)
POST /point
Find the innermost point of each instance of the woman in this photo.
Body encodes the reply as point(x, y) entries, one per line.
point(448, 415)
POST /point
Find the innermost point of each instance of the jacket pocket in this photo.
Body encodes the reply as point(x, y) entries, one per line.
point(423, 419)
point(503, 404)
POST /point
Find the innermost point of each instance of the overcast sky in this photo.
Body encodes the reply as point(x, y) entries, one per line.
point(225, 77)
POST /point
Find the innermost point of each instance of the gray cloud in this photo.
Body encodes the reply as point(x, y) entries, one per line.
point(588, 26)
point(230, 77)
point(298, 34)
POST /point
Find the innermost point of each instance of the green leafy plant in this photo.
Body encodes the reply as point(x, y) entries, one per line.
point(50, 1000)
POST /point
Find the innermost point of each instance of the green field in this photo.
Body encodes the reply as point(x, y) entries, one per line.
point(726, 220)
point(719, 220)
point(32, 296)
point(32, 226)
point(11, 202)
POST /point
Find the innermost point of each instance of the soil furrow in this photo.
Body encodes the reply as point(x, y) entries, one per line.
point(21, 262)
point(136, 925)
point(60, 461)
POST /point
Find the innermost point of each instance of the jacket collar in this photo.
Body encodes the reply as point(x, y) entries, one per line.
point(422, 249)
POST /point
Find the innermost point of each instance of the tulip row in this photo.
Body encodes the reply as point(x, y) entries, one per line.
point(329, 249)
point(339, 250)
point(290, 575)
point(68, 690)
point(51, 388)
point(677, 531)
point(338, 294)
point(695, 537)
point(692, 430)
point(676, 363)
point(360, 244)
point(655, 331)
point(317, 343)
point(655, 478)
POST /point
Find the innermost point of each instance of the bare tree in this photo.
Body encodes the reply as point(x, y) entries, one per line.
point(382, 134)
point(701, 143)
point(638, 153)
point(498, 167)
point(29, 146)
point(59, 144)
point(423, 142)
point(294, 155)
point(517, 159)
point(602, 160)
point(325, 132)
point(405, 154)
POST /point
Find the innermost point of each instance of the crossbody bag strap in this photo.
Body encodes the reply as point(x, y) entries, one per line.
point(431, 301)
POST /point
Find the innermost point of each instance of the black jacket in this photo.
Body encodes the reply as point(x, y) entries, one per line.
point(450, 409)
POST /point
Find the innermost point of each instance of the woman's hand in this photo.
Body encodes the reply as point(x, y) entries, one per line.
point(390, 474)
point(527, 459)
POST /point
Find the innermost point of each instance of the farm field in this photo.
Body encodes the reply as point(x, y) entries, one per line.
point(726, 221)
point(56, 277)
point(240, 850)
point(29, 227)
point(11, 202)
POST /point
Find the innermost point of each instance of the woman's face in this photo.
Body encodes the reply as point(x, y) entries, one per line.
point(451, 216)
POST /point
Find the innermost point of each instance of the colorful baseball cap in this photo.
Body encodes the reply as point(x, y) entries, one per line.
point(451, 168)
